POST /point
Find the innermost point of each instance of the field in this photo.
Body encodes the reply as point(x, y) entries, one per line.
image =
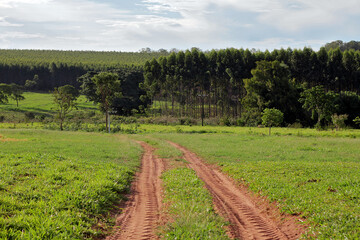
point(61, 184)
point(67, 183)
point(316, 178)
point(41, 104)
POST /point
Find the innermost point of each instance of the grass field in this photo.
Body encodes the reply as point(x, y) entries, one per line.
point(61, 185)
point(48, 177)
point(39, 104)
point(316, 178)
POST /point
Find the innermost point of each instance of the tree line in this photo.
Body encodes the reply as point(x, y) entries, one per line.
point(48, 69)
point(227, 83)
point(241, 83)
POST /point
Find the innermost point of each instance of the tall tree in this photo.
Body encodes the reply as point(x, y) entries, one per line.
point(107, 89)
point(65, 100)
point(270, 87)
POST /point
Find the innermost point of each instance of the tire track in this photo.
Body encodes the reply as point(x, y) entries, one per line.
point(141, 213)
point(246, 220)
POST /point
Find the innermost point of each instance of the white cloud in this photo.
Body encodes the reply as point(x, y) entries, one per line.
point(5, 23)
point(16, 3)
point(21, 35)
point(95, 24)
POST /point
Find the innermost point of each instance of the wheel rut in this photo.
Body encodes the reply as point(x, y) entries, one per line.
point(246, 220)
point(142, 211)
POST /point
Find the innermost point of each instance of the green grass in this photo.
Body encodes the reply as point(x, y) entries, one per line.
point(317, 178)
point(301, 132)
point(191, 207)
point(61, 185)
point(38, 103)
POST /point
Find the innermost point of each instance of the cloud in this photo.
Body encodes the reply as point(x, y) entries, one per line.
point(16, 3)
point(106, 25)
point(20, 35)
point(5, 23)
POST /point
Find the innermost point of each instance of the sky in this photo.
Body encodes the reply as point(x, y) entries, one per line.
point(130, 25)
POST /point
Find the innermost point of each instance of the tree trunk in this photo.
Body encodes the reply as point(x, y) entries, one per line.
point(106, 119)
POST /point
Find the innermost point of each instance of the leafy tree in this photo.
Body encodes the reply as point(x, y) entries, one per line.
point(17, 93)
point(5, 93)
point(107, 89)
point(272, 117)
point(65, 99)
point(270, 87)
point(318, 102)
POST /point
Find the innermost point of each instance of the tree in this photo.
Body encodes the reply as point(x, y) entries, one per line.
point(17, 93)
point(5, 92)
point(107, 89)
point(65, 99)
point(31, 84)
point(318, 101)
point(357, 120)
point(270, 87)
point(339, 120)
point(272, 117)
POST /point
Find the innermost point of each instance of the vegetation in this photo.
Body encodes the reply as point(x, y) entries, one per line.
point(318, 102)
point(47, 69)
point(107, 89)
point(240, 84)
point(64, 99)
point(272, 118)
point(191, 206)
point(352, 45)
point(314, 178)
point(60, 184)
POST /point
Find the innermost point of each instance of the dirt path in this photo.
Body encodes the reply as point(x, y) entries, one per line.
point(246, 220)
point(141, 213)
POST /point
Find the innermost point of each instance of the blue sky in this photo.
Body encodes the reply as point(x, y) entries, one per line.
point(129, 25)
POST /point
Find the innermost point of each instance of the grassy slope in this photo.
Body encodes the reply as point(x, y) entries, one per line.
point(40, 103)
point(60, 184)
point(316, 177)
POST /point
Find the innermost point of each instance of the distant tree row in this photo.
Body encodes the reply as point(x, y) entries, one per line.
point(49, 69)
point(343, 46)
point(242, 83)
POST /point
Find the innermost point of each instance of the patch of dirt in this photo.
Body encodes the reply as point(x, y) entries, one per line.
point(141, 213)
point(4, 139)
point(248, 218)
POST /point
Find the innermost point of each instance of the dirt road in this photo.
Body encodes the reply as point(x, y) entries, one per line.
point(246, 220)
point(141, 213)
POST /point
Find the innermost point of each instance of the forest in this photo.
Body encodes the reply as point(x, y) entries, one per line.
point(240, 84)
point(231, 85)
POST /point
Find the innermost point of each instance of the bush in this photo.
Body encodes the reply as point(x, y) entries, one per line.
point(29, 116)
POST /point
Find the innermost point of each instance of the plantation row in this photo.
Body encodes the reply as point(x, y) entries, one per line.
point(50, 68)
